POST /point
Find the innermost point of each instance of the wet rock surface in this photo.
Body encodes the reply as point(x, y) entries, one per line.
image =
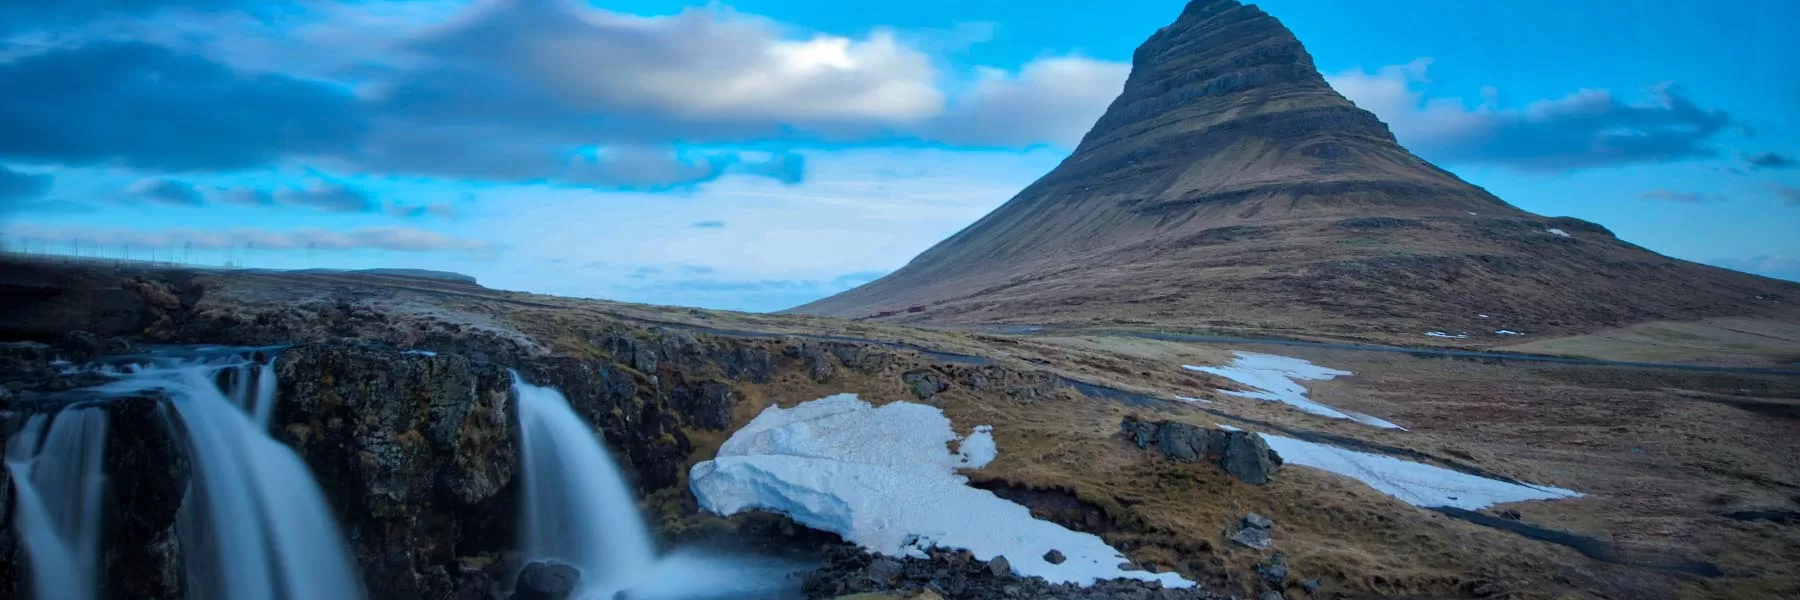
point(1243, 454)
point(546, 581)
point(957, 574)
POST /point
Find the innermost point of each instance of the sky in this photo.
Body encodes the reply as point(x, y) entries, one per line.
point(758, 154)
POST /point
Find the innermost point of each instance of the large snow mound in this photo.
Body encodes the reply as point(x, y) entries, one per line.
point(1418, 484)
point(885, 478)
point(1277, 379)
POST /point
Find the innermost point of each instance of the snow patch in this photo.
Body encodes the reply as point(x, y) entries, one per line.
point(1194, 400)
point(1448, 336)
point(884, 478)
point(1507, 332)
point(1418, 484)
point(1277, 379)
point(1227, 427)
point(1482, 316)
point(424, 353)
point(1555, 231)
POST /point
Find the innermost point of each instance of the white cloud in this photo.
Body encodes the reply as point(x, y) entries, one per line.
point(710, 67)
point(1777, 266)
point(1587, 128)
point(1053, 100)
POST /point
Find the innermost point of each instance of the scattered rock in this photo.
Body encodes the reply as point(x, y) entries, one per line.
point(1257, 521)
point(852, 573)
point(884, 570)
point(79, 346)
point(1270, 595)
point(925, 384)
point(1273, 571)
point(1054, 557)
point(1253, 538)
point(1511, 515)
point(999, 566)
point(546, 581)
point(1310, 585)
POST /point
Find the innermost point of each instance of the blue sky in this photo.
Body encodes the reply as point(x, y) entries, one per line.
point(758, 154)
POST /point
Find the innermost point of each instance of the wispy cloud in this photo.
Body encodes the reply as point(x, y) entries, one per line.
point(1585, 129)
point(165, 191)
point(1665, 195)
point(399, 239)
point(709, 225)
point(1770, 160)
point(329, 197)
point(1789, 195)
point(16, 186)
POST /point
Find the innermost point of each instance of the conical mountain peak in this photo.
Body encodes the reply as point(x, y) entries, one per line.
point(1229, 184)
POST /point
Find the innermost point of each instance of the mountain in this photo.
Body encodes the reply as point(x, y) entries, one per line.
point(1229, 186)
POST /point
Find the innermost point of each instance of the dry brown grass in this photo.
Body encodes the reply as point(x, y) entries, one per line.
point(1718, 341)
point(1661, 455)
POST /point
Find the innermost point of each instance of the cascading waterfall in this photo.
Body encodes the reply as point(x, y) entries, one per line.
point(576, 507)
point(254, 525)
point(56, 462)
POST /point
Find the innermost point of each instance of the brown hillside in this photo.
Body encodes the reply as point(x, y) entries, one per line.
point(1230, 187)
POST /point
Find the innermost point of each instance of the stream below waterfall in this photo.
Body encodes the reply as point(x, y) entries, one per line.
point(253, 523)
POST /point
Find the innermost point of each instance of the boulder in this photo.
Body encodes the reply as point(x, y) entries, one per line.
point(546, 581)
point(818, 364)
point(1000, 567)
point(925, 384)
point(1273, 572)
point(1188, 443)
point(1248, 457)
point(1243, 454)
point(79, 346)
point(1257, 521)
point(1252, 538)
point(1054, 557)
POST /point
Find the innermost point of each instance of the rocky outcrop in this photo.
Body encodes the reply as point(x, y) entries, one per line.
point(412, 451)
point(925, 384)
point(147, 466)
point(1243, 454)
point(546, 581)
point(956, 574)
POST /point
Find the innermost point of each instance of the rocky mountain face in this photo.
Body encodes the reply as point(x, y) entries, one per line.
point(1229, 186)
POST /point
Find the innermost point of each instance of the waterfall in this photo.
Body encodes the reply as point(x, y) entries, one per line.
point(576, 507)
point(56, 463)
point(254, 525)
